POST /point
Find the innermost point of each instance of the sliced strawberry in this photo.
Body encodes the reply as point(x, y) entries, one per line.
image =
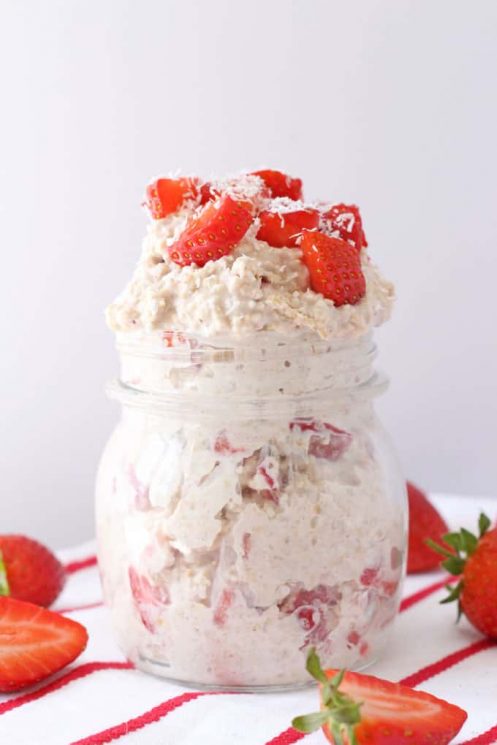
point(207, 193)
point(222, 607)
point(34, 643)
point(166, 195)
point(334, 268)
point(313, 609)
point(32, 571)
point(424, 523)
point(328, 442)
point(215, 233)
point(223, 446)
point(345, 219)
point(367, 710)
point(280, 184)
point(148, 598)
point(281, 229)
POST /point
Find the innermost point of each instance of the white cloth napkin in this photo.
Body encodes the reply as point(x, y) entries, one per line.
point(99, 699)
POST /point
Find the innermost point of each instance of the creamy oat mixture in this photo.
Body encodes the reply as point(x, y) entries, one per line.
point(247, 508)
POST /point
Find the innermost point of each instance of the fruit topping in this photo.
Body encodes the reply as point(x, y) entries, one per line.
point(281, 229)
point(166, 195)
point(219, 228)
point(344, 221)
point(334, 268)
point(281, 185)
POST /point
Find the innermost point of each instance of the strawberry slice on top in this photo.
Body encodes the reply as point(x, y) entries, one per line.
point(281, 185)
point(281, 229)
point(345, 219)
point(166, 195)
point(34, 643)
point(213, 234)
point(334, 268)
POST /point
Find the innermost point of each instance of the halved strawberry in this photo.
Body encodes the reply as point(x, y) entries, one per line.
point(34, 643)
point(425, 522)
point(215, 233)
point(365, 710)
point(32, 571)
point(345, 219)
point(281, 229)
point(166, 195)
point(334, 268)
point(280, 184)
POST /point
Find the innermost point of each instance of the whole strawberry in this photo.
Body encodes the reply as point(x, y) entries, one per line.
point(475, 561)
point(29, 571)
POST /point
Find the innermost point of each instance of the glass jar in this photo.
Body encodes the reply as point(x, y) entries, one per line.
point(249, 506)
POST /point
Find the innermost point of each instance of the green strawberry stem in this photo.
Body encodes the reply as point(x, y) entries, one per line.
point(340, 713)
point(464, 544)
point(4, 582)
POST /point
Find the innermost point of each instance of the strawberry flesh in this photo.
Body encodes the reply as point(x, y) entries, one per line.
point(313, 610)
point(214, 234)
point(165, 196)
point(281, 185)
point(393, 714)
point(424, 523)
point(281, 229)
point(334, 268)
point(479, 588)
point(148, 598)
point(328, 442)
point(33, 572)
point(34, 643)
point(345, 219)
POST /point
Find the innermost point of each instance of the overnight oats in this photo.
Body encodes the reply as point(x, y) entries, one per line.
point(249, 503)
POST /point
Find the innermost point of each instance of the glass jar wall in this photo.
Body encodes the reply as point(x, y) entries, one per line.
point(249, 506)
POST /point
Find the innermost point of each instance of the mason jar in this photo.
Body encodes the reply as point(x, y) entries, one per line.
point(249, 506)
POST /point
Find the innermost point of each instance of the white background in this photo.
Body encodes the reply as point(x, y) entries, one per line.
point(391, 104)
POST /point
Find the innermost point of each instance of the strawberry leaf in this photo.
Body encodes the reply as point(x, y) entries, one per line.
point(454, 593)
point(469, 541)
point(313, 667)
point(4, 582)
point(439, 549)
point(483, 524)
point(310, 722)
point(454, 565)
point(454, 540)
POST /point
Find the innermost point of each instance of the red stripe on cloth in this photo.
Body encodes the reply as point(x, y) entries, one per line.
point(290, 736)
point(425, 592)
point(76, 566)
point(486, 738)
point(446, 662)
point(81, 671)
point(149, 717)
point(72, 609)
